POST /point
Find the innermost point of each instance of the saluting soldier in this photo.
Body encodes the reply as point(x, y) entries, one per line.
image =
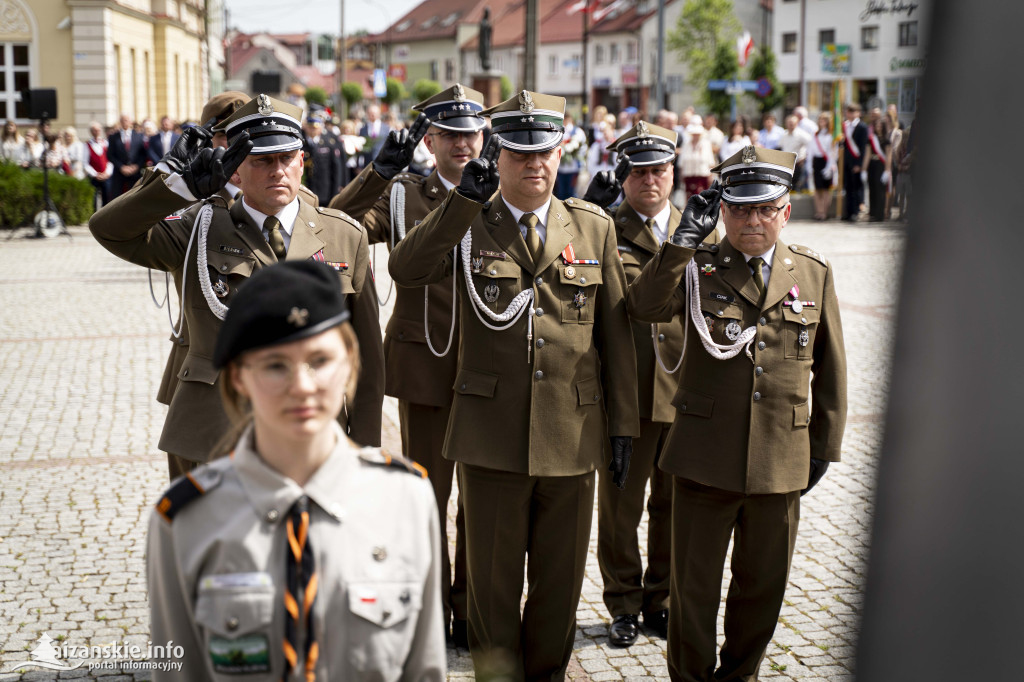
point(748, 439)
point(546, 375)
point(420, 369)
point(160, 225)
point(643, 222)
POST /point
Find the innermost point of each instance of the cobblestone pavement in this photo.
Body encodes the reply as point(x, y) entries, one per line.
point(82, 348)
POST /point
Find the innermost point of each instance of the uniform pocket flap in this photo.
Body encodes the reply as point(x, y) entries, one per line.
point(198, 368)
point(805, 316)
point(726, 311)
point(385, 605)
point(230, 264)
point(497, 268)
point(235, 611)
point(346, 283)
point(589, 391)
point(469, 382)
point(580, 275)
point(691, 402)
point(801, 415)
point(408, 331)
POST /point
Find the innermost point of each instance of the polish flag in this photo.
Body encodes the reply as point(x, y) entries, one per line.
point(605, 11)
point(744, 46)
point(580, 6)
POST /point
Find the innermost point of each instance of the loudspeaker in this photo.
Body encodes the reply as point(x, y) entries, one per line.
point(40, 102)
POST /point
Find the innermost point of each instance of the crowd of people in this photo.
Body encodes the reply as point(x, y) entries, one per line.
point(529, 351)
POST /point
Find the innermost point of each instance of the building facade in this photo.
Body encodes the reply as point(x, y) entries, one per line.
point(874, 50)
point(145, 58)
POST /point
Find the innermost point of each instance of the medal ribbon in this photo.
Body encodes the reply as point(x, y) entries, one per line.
point(569, 257)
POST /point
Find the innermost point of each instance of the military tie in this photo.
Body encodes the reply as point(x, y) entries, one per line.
point(273, 227)
point(650, 226)
point(300, 593)
point(533, 243)
point(756, 264)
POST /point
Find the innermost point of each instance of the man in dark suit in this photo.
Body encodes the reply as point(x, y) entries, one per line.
point(855, 143)
point(323, 157)
point(127, 151)
point(376, 133)
point(162, 142)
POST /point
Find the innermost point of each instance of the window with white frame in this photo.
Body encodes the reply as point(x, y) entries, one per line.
point(14, 77)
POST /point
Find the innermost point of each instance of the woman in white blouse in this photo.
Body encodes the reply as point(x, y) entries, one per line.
point(821, 162)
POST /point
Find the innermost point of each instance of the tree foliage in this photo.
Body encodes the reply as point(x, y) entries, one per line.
point(352, 92)
point(726, 66)
point(506, 87)
point(396, 91)
point(703, 27)
point(763, 65)
point(316, 95)
point(424, 89)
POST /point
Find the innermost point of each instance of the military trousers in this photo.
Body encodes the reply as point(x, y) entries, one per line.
point(627, 588)
point(763, 528)
point(423, 429)
point(545, 520)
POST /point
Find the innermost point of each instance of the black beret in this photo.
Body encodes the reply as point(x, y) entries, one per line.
point(284, 302)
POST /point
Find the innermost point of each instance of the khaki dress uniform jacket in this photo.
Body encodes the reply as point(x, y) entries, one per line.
point(548, 412)
point(142, 227)
point(740, 448)
point(217, 569)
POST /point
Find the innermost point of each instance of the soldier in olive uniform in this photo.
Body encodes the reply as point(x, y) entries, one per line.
point(159, 224)
point(642, 222)
point(420, 371)
point(748, 439)
point(546, 382)
point(298, 515)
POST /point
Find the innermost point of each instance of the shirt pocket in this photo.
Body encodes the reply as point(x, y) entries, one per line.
point(236, 628)
point(577, 291)
point(497, 282)
point(799, 332)
point(382, 619)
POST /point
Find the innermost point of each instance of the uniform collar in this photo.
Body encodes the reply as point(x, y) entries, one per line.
point(660, 222)
point(272, 494)
point(767, 256)
point(286, 215)
point(541, 212)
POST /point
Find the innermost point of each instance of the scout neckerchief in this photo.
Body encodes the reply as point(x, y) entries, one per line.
point(300, 593)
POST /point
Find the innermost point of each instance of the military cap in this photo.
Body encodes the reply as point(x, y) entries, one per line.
point(457, 109)
point(529, 122)
point(317, 114)
point(754, 175)
point(281, 303)
point(223, 105)
point(273, 125)
point(647, 144)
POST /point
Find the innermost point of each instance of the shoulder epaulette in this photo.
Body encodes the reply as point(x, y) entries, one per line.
point(378, 457)
point(810, 253)
point(338, 213)
point(410, 178)
point(185, 490)
point(581, 205)
point(710, 248)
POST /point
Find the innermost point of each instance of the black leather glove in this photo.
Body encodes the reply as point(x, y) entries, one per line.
point(211, 169)
point(622, 450)
point(700, 217)
point(192, 141)
point(398, 149)
point(480, 176)
point(606, 187)
point(818, 469)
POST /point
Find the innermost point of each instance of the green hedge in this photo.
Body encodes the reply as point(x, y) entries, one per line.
point(22, 192)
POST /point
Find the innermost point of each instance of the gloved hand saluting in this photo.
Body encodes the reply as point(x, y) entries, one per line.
point(399, 147)
point(700, 217)
point(606, 187)
point(192, 141)
point(480, 176)
point(211, 169)
point(622, 450)
point(818, 469)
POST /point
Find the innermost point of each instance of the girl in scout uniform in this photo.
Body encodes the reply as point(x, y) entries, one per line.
point(299, 556)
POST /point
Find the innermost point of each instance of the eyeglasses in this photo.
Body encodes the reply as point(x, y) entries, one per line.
point(449, 136)
point(765, 213)
point(277, 376)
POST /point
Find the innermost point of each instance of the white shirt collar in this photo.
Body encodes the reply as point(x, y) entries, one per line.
point(767, 256)
point(286, 215)
point(447, 185)
point(541, 212)
point(660, 222)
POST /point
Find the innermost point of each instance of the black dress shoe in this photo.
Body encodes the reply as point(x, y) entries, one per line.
point(460, 633)
point(657, 622)
point(624, 630)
